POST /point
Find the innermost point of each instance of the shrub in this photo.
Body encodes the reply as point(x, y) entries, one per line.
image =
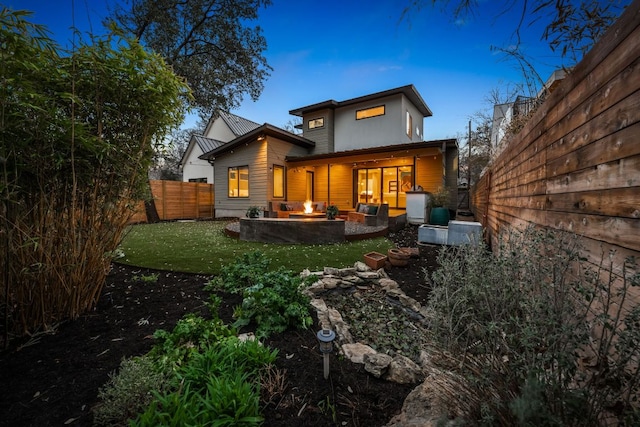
point(227, 401)
point(270, 298)
point(191, 335)
point(128, 392)
point(514, 334)
point(245, 272)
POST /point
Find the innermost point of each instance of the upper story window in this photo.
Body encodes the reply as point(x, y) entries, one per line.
point(409, 125)
point(370, 112)
point(316, 123)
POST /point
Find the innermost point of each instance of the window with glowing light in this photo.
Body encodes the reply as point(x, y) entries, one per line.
point(370, 112)
point(238, 181)
point(316, 123)
point(409, 125)
point(278, 182)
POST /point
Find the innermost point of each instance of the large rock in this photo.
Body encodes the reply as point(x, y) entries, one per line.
point(403, 370)
point(417, 410)
point(376, 363)
point(355, 352)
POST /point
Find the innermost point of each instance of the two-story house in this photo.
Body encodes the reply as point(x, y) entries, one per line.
point(365, 149)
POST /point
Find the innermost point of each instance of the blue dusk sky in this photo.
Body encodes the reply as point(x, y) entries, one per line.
point(331, 49)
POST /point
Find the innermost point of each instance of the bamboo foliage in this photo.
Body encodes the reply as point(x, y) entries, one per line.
point(77, 131)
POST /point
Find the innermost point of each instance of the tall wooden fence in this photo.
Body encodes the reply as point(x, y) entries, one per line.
point(179, 200)
point(576, 164)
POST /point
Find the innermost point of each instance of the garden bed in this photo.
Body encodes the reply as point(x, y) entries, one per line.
point(53, 379)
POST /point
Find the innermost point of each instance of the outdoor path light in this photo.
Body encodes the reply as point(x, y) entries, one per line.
point(326, 337)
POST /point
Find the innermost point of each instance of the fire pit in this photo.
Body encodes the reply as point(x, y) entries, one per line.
point(312, 215)
point(292, 230)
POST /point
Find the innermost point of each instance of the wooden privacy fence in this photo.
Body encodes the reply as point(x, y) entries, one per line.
point(178, 200)
point(576, 163)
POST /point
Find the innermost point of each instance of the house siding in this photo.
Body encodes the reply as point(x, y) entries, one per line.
point(324, 136)
point(220, 131)
point(389, 129)
point(254, 156)
point(260, 156)
point(195, 167)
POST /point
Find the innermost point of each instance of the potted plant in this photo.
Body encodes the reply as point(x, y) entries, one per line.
point(439, 209)
point(254, 212)
point(332, 211)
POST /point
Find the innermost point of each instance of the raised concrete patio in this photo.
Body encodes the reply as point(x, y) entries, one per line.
point(292, 230)
point(353, 230)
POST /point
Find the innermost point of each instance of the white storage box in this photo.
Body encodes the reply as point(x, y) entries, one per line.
point(434, 234)
point(464, 232)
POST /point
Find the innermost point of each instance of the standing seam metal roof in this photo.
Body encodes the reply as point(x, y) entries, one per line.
point(238, 125)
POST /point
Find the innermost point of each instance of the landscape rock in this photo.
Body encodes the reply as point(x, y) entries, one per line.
point(376, 363)
point(410, 303)
point(355, 352)
point(388, 284)
point(330, 282)
point(418, 411)
point(403, 370)
point(349, 271)
point(361, 266)
point(331, 271)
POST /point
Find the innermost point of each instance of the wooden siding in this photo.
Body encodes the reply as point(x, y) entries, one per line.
point(429, 172)
point(254, 156)
point(576, 164)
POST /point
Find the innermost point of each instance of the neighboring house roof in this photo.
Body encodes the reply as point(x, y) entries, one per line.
point(206, 144)
point(267, 130)
point(409, 91)
point(440, 143)
point(238, 125)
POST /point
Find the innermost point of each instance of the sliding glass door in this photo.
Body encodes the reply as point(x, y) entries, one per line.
point(384, 185)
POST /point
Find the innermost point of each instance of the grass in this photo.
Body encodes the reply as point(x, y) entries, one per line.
point(202, 247)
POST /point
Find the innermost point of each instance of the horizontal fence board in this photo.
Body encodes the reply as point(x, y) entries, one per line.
point(619, 202)
point(617, 174)
point(575, 165)
point(619, 145)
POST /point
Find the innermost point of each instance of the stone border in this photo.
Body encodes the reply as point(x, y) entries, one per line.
point(400, 369)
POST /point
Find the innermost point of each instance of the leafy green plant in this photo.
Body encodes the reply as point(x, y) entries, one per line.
point(191, 335)
point(253, 212)
point(243, 273)
point(440, 198)
point(332, 211)
point(525, 337)
point(129, 392)
point(273, 299)
point(275, 303)
point(229, 400)
point(77, 130)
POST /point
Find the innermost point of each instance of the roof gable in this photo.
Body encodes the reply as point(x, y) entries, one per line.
point(254, 135)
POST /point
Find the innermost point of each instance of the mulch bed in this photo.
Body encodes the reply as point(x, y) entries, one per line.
point(53, 378)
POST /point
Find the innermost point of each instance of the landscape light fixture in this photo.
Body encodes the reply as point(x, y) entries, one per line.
point(325, 338)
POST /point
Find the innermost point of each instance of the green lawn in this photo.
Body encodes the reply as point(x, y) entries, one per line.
point(202, 247)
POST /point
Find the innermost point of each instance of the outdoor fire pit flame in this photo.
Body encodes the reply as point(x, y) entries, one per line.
point(308, 207)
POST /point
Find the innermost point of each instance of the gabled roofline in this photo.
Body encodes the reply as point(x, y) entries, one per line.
point(409, 91)
point(267, 130)
point(439, 143)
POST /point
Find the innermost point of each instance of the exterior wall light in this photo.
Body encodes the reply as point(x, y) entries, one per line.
point(325, 338)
